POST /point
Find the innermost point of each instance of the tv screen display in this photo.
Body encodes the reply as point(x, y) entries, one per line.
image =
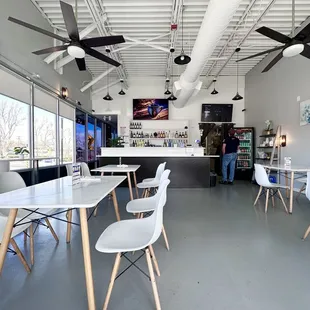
point(150, 109)
point(216, 112)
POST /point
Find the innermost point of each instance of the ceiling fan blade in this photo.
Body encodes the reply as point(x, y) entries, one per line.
point(51, 50)
point(102, 57)
point(103, 41)
point(32, 27)
point(262, 53)
point(81, 63)
point(70, 21)
point(306, 51)
point(273, 62)
point(304, 34)
point(274, 35)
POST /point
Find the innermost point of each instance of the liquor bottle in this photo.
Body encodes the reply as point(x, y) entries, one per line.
point(140, 125)
point(176, 134)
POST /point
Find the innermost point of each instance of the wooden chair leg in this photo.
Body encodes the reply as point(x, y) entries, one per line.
point(267, 199)
point(154, 260)
point(152, 276)
point(31, 244)
point(115, 204)
point(300, 191)
point(272, 197)
point(25, 236)
point(257, 197)
point(20, 255)
point(49, 225)
point(96, 210)
point(166, 238)
point(306, 233)
point(69, 226)
point(281, 197)
point(113, 276)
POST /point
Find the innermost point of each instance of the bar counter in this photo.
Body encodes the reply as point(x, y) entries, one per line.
point(189, 167)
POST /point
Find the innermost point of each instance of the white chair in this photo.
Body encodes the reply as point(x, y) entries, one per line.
point(308, 196)
point(272, 189)
point(4, 166)
point(160, 169)
point(69, 170)
point(133, 235)
point(149, 185)
point(143, 205)
point(10, 181)
point(303, 187)
point(16, 231)
point(85, 172)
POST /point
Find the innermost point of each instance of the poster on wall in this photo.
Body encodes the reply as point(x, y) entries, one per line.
point(150, 109)
point(305, 112)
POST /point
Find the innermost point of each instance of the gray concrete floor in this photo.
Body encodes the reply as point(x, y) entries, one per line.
point(225, 254)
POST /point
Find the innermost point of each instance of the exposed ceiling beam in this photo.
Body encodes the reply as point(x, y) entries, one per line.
point(83, 34)
point(261, 15)
point(97, 79)
point(161, 48)
point(99, 90)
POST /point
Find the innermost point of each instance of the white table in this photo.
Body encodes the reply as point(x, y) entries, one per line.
point(128, 169)
point(60, 193)
point(292, 169)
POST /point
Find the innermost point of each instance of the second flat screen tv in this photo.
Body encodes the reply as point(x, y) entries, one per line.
point(216, 113)
point(150, 109)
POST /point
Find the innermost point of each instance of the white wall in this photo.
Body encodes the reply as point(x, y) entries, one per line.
point(154, 88)
point(273, 96)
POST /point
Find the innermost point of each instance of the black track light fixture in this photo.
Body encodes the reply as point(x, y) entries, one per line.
point(182, 59)
point(172, 97)
point(167, 92)
point(237, 96)
point(122, 93)
point(214, 91)
point(107, 96)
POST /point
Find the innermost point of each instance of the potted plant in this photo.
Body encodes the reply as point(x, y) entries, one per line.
point(116, 142)
point(20, 151)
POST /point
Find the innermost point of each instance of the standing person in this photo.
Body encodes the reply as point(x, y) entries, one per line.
point(229, 149)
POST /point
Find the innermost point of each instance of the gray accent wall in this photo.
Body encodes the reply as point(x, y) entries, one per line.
point(17, 44)
point(273, 95)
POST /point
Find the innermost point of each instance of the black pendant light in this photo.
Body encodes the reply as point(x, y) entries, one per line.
point(237, 96)
point(167, 92)
point(182, 59)
point(214, 91)
point(122, 93)
point(107, 96)
point(172, 97)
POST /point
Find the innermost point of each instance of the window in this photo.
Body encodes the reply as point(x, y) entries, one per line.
point(44, 136)
point(99, 137)
point(66, 140)
point(14, 129)
point(91, 139)
point(80, 129)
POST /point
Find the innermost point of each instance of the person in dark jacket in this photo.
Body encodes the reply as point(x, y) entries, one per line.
point(230, 150)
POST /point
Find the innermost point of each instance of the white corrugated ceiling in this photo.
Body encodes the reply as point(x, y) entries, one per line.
point(148, 19)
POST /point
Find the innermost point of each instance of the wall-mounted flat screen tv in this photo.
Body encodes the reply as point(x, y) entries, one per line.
point(150, 109)
point(216, 113)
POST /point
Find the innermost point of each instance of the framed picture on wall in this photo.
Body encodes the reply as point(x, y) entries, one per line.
point(305, 112)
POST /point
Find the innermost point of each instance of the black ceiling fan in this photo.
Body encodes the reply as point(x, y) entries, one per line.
point(291, 46)
point(75, 47)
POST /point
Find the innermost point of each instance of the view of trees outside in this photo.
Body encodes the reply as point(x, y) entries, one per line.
point(66, 140)
point(14, 129)
point(44, 135)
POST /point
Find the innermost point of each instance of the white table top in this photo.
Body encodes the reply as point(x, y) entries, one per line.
point(60, 193)
point(27, 159)
point(294, 168)
point(114, 168)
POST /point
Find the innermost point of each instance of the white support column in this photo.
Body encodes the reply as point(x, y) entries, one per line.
point(97, 79)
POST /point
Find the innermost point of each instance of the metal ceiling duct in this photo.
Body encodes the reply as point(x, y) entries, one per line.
point(217, 17)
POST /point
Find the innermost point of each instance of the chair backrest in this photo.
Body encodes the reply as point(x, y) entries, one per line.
point(4, 166)
point(156, 218)
point(308, 186)
point(261, 176)
point(69, 170)
point(85, 170)
point(10, 181)
point(164, 176)
point(160, 169)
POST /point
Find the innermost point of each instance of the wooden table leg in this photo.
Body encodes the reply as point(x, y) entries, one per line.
point(129, 185)
point(115, 205)
point(291, 192)
point(87, 260)
point(286, 184)
point(135, 181)
point(7, 236)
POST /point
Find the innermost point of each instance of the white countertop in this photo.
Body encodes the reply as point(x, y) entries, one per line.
point(60, 193)
point(295, 168)
point(114, 168)
point(27, 159)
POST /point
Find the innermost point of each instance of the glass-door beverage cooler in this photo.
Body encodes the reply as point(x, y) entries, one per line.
point(245, 159)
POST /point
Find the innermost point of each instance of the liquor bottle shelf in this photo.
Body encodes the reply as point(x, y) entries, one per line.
point(158, 138)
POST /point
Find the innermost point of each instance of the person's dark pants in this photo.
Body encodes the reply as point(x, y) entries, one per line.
point(229, 159)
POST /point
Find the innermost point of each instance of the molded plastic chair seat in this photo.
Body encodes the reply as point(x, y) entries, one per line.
point(125, 236)
point(151, 184)
point(141, 205)
point(148, 180)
